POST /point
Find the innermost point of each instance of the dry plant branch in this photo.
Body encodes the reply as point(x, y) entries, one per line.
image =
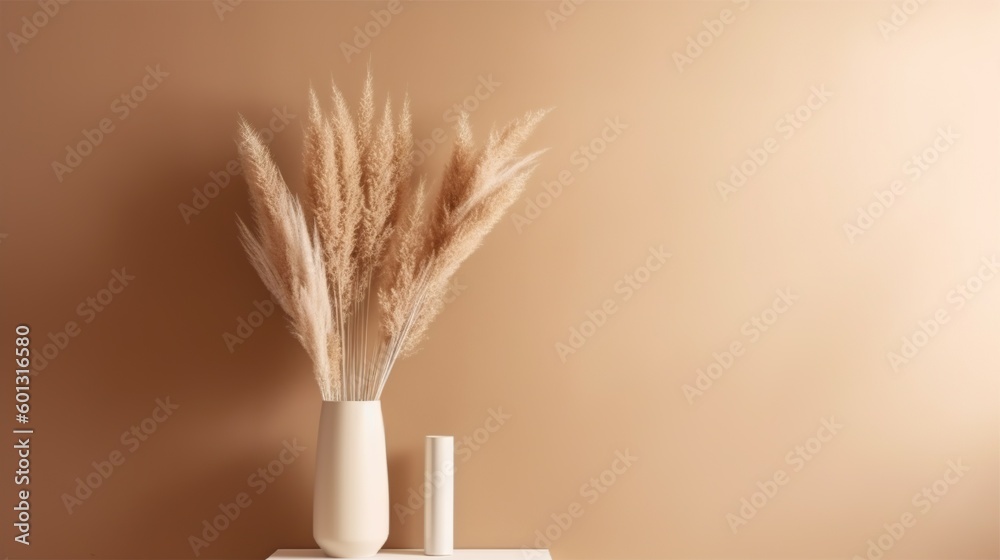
point(362, 284)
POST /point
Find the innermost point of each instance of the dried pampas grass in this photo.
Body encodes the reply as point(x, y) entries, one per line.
point(362, 285)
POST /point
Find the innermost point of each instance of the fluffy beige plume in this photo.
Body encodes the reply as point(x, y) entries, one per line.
point(473, 180)
point(497, 163)
point(368, 148)
point(288, 260)
point(458, 173)
point(352, 197)
point(323, 183)
point(477, 189)
point(314, 325)
point(373, 237)
point(322, 180)
point(380, 191)
point(312, 322)
point(465, 236)
point(366, 115)
point(400, 282)
point(267, 189)
point(402, 178)
point(402, 155)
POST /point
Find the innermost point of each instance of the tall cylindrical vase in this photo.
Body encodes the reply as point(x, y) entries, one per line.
point(351, 494)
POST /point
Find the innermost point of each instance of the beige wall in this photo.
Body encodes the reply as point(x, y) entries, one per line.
point(825, 356)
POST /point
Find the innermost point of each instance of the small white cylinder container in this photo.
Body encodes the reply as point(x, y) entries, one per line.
point(439, 489)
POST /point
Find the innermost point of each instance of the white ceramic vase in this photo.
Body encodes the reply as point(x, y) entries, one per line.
point(351, 494)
